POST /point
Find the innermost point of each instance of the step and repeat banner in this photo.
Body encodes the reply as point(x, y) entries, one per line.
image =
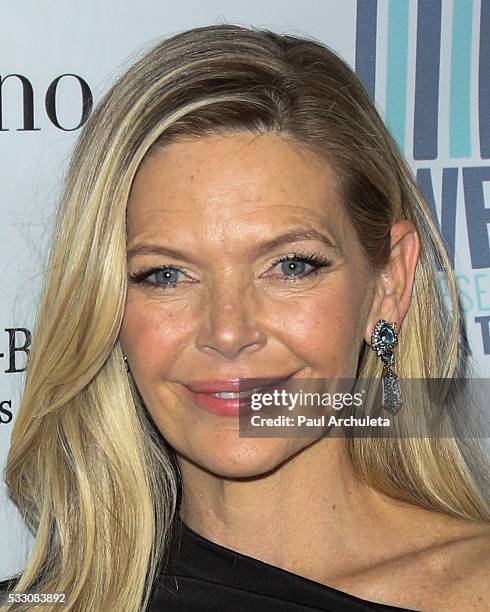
point(426, 63)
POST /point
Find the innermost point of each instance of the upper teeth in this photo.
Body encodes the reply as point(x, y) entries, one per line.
point(233, 394)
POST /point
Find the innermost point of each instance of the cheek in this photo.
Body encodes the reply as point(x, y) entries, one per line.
point(151, 336)
point(324, 328)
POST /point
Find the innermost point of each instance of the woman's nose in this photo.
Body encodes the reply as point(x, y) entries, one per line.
point(230, 321)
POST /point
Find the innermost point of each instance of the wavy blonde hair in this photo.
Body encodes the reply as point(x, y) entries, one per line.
point(88, 469)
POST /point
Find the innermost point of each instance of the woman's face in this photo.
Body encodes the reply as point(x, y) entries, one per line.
point(262, 277)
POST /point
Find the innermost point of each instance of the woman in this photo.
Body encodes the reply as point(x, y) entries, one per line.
point(235, 209)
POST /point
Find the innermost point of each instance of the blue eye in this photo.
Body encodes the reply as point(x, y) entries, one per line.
point(297, 265)
point(293, 267)
point(163, 277)
point(167, 276)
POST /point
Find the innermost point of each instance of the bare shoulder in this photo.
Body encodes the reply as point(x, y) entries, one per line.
point(435, 564)
point(442, 565)
point(459, 569)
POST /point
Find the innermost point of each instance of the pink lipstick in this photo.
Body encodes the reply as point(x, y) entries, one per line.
point(229, 397)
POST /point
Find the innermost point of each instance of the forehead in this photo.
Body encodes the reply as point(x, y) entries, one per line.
point(236, 177)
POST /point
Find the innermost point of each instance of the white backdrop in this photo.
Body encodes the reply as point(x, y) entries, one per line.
point(426, 61)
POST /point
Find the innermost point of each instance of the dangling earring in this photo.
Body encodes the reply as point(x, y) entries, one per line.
point(125, 359)
point(383, 341)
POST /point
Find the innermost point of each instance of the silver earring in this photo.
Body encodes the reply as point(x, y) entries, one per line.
point(125, 359)
point(383, 341)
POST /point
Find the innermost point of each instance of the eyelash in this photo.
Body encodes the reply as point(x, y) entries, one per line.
point(317, 260)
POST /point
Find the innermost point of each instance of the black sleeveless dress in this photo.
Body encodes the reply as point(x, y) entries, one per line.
point(202, 576)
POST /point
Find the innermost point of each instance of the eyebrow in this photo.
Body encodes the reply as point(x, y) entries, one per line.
point(296, 235)
point(156, 249)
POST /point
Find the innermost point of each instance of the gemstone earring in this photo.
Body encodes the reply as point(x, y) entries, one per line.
point(125, 359)
point(383, 341)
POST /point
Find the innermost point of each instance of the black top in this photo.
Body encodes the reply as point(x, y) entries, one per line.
point(202, 576)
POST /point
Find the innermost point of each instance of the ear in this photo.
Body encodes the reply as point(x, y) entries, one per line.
point(395, 283)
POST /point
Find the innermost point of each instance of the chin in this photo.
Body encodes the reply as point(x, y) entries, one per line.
point(245, 458)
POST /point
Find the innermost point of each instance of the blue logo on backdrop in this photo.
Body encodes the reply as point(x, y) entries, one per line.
point(468, 62)
point(427, 69)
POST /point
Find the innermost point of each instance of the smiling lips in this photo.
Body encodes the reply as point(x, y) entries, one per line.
point(229, 397)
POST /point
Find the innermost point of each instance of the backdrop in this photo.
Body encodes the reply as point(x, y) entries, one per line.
point(426, 62)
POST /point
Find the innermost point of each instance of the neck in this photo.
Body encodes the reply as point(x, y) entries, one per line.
point(306, 516)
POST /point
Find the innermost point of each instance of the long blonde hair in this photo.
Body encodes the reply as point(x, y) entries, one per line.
point(87, 467)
